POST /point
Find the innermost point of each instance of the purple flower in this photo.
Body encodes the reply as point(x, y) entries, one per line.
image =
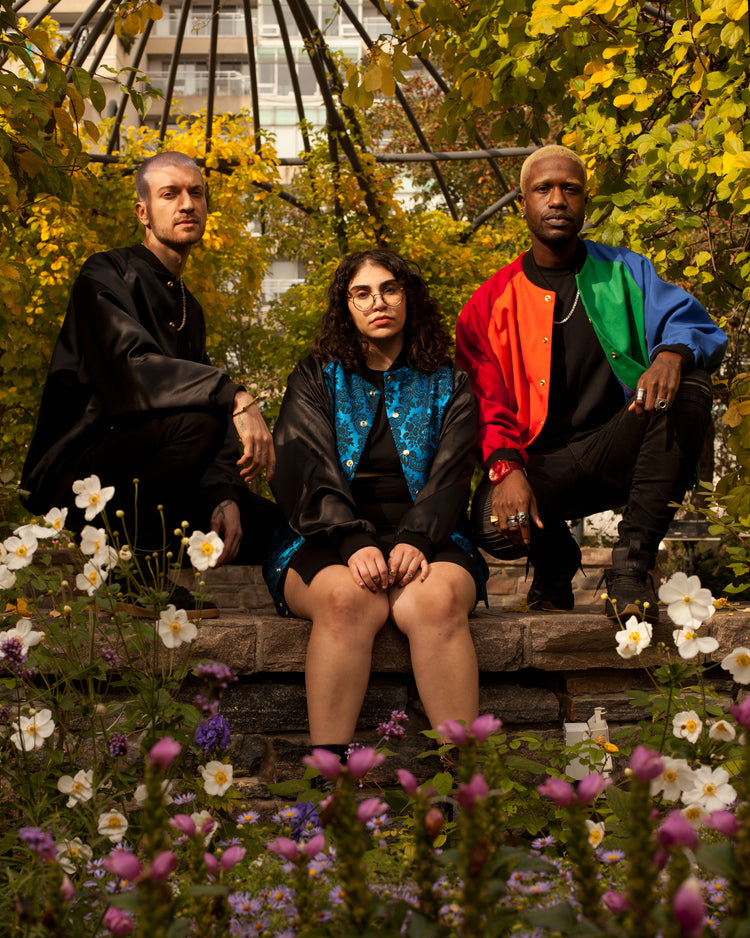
point(370, 808)
point(164, 752)
point(741, 712)
point(592, 786)
point(163, 866)
point(67, 889)
point(722, 821)
point(119, 745)
point(615, 901)
point(362, 761)
point(213, 735)
point(484, 726)
point(453, 731)
point(689, 908)
point(647, 764)
point(407, 781)
point(183, 823)
point(123, 864)
point(433, 822)
point(232, 856)
point(110, 657)
point(118, 922)
point(305, 813)
point(326, 762)
point(315, 845)
point(394, 727)
point(217, 673)
point(558, 790)
point(212, 864)
point(469, 793)
point(40, 842)
point(205, 704)
point(676, 830)
point(247, 817)
point(285, 847)
point(12, 651)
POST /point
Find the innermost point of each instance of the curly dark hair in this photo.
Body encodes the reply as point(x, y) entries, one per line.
point(426, 339)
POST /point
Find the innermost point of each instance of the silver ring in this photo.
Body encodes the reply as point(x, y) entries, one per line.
point(523, 518)
point(640, 395)
point(512, 521)
point(661, 403)
point(410, 575)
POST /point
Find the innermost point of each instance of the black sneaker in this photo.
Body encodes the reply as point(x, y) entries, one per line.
point(551, 590)
point(630, 595)
point(144, 607)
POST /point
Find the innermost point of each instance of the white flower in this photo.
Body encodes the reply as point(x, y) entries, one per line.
point(20, 550)
point(688, 604)
point(55, 519)
point(22, 631)
point(141, 792)
point(199, 818)
point(687, 725)
point(31, 731)
point(723, 731)
point(91, 579)
point(175, 628)
point(633, 638)
point(91, 496)
point(112, 824)
point(79, 788)
point(737, 662)
point(93, 540)
point(204, 549)
point(71, 853)
point(689, 643)
point(596, 832)
point(676, 778)
point(126, 554)
point(7, 577)
point(217, 777)
point(712, 790)
point(695, 813)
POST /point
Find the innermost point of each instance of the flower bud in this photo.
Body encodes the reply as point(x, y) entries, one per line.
point(433, 822)
point(232, 856)
point(163, 866)
point(164, 752)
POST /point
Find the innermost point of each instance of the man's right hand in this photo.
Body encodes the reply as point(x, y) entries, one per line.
point(255, 438)
point(509, 497)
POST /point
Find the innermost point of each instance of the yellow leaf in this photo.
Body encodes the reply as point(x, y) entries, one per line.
point(480, 91)
point(623, 100)
point(735, 9)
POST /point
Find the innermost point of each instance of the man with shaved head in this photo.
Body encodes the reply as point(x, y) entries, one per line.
point(594, 388)
point(131, 394)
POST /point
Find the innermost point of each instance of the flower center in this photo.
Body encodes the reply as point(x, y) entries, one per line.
point(743, 660)
point(690, 726)
point(670, 776)
point(22, 551)
point(709, 788)
point(92, 577)
point(207, 549)
point(220, 778)
point(635, 636)
point(94, 498)
point(175, 626)
point(113, 822)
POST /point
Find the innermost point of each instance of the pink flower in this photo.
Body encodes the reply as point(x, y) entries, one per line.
point(647, 764)
point(118, 922)
point(67, 889)
point(207, 826)
point(369, 809)
point(433, 822)
point(163, 866)
point(722, 821)
point(212, 864)
point(362, 761)
point(123, 864)
point(741, 712)
point(315, 845)
point(591, 786)
point(615, 901)
point(326, 762)
point(558, 790)
point(676, 830)
point(407, 781)
point(285, 847)
point(469, 793)
point(164, 752)
point(183, 823)
point(484, 726)
point(232, 856)
point(689, 908)
point(453, 731)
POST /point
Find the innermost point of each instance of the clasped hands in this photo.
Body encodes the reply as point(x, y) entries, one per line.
point(370, 570)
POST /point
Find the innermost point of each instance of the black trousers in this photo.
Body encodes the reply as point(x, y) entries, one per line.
point(638, 465)
point(168, 453)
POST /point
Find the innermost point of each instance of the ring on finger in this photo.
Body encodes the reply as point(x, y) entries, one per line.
point(392, 572)
point(662, 403)
point(494, 519)
point(640, 395)
point(409, 575)
point(523, 518)
point(376, 579)
point(512, 521)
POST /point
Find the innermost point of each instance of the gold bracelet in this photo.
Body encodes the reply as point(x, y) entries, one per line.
point(243, 409)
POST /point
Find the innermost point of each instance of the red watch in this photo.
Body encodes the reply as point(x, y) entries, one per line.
point(501, 469)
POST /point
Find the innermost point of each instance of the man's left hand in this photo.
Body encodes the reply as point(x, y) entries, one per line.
point(255, 439)
point(225, 520)
point(658, 384)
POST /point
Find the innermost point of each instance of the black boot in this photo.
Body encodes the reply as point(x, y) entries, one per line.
point(630, 586)
point(555, 557)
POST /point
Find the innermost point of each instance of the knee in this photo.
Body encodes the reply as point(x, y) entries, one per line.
point(439, 611)
point(348, 610)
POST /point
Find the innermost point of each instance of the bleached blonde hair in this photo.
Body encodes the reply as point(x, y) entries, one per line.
point(552, 149)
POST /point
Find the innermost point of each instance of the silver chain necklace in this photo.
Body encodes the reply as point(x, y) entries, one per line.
point(184, 309)
point(559, 322)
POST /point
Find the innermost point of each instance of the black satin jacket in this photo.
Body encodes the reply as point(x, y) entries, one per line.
point(117, 355)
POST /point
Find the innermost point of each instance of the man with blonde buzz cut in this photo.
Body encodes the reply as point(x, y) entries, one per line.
point(593, 381)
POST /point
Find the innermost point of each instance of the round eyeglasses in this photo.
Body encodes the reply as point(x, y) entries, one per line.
point(364, 300)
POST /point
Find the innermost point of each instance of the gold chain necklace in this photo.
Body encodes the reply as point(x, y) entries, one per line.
point(559, 322)
point(184, 308)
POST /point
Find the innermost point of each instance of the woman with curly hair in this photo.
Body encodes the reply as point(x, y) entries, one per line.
point(375, 447)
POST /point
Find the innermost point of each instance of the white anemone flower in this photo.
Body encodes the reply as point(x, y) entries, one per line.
point(204, 549)
point(175, 628)
point(633, 638)
point(695, 813)
point(20, 550)
point(687, 725)
point(31, 731)
point(712, 790)
point(722, 731)
point(596, 832)
point(72, 853)
point(737, 662)
point(56, 518)
point(25, 634)
point(55, 525)
point(93, 540)
point(91, 579)
point(199, 818)
point(112, 824)
point(141, 793)
point(689, 643)
point(688, 603)
point(217, 777)
point(676, 777)
point(7, 578)
point(91, 496)
point(78, 788)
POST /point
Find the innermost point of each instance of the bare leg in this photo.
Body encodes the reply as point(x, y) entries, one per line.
point(345, 620)
point(434, 616)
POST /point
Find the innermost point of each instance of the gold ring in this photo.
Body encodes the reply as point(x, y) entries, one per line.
point(392, 572)
point(494, 519)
